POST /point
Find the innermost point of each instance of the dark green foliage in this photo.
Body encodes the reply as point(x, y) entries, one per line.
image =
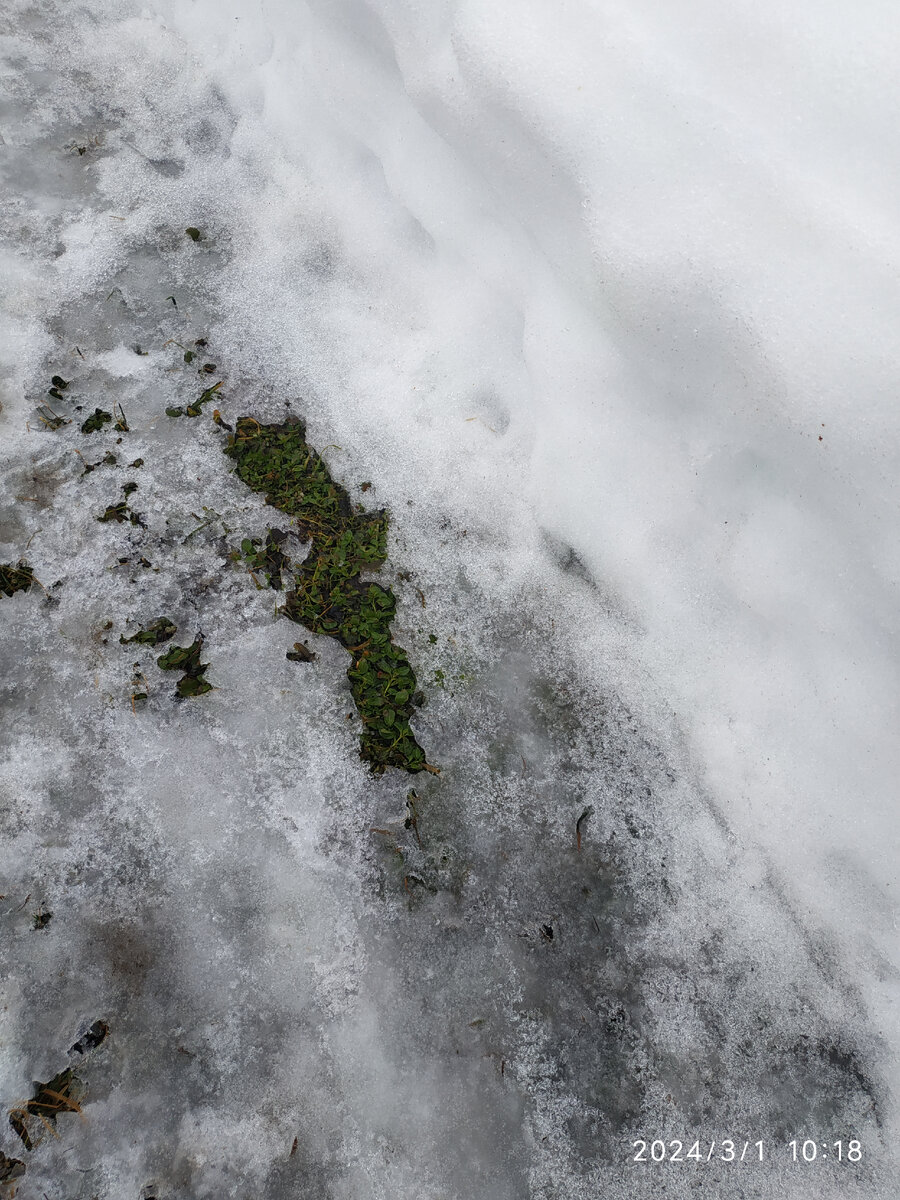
point(96, 421)
point(329, 596)
point(108, 460)
point(266, 559)
point(154, 635)
point(193, 233)
point(18, 578)
point(41, 919)
point(195, 409)
point(58, 386)
point(121, 512)
point(187, 659)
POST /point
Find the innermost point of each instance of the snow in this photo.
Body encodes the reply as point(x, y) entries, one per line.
point(600, 298)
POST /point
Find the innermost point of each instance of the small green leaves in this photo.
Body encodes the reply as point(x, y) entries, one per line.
point(96, 421)
point(187, 659)
point(193, 233)
point(191, 685)
point(188, 356)
point(329, 595)
point(121, 512)
point(181, 656)
point(193, 410)
point(108, 460)
point(18, 578)
point(57, 386)
point(154, 635)
point(267, 559)
point(174, 412)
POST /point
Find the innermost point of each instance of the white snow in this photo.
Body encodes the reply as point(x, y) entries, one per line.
point(601, 298)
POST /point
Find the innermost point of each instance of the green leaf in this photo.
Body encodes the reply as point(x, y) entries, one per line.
point(96, 421)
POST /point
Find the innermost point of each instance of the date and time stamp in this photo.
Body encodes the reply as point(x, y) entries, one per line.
point(738, 1150)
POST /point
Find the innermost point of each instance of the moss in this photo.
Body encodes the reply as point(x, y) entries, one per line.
point(329, 595)
point(15, 578)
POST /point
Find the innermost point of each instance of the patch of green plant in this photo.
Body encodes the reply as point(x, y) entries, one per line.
point(57, 386)
point(154, 635)
point(329, 595)
point(193, 233)
point(96, 421)
point(265, 558)
point(195, 409)
point(122, 512)
point(108, 460)
point(15, 578)
point(187, 659)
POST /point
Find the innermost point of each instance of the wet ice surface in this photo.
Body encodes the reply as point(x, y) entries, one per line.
point(305, 996)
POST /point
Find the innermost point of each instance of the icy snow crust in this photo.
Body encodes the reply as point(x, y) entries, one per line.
point(573, 286)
